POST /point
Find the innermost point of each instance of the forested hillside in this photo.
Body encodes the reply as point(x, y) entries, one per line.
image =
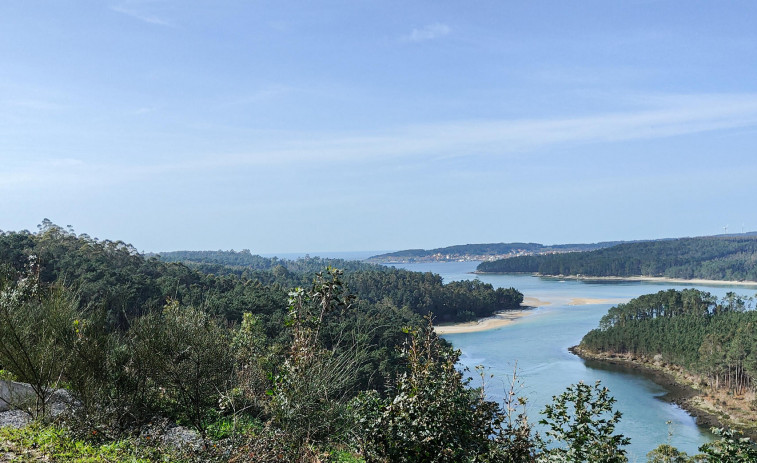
point(240, 261)
point(483, 251)
point(715, 258)
point(422, 292)
point(715, 339)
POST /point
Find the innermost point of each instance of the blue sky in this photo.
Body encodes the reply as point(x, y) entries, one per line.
point(377, 125)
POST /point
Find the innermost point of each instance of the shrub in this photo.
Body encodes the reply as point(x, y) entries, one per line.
point(431, 415)
point(730, 448)
point(185, 353)
point(583, 421)
point(33, 320)
point(313, 385)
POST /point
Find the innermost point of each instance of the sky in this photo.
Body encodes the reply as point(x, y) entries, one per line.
point(282, 126)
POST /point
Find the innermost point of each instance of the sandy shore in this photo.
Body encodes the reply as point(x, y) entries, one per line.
point(534, 302)
point(589, 301)
point(696, 281)
point(484, 324)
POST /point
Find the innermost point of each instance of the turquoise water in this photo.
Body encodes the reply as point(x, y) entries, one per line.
point(539, 342)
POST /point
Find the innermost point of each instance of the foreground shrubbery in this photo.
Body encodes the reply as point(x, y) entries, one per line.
point(52, 443)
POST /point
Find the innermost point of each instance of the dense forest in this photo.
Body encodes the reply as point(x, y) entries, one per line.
point(481, 251)
point(423, 293)
point(716, 339)
point(240, 261)
point(715, 258)
point(278, 364)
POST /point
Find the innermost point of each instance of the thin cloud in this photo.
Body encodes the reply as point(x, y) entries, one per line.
point(666, 116)
point(429, 32)
point(669, 117)
point(150, 19)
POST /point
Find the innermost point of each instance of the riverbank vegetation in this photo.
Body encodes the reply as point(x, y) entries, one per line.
point(710, 341)
point(289, 365)
point(711, 258)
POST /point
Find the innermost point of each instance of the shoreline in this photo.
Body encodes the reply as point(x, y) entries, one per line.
point(499, 319)
point(590, 301)
point(508, 317)
point(709, 409)
point(694, 281)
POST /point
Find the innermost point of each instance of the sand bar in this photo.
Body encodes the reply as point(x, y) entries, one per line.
point(695, 281)
point(534, 302)
point(500, 319)
point(588, 301)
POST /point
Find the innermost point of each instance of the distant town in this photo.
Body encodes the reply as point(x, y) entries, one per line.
point(482, 252)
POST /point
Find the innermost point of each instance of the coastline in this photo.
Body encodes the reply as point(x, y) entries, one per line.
point(709, 409)
point(693, 281)
point(508, 317)
point(590, 301)
point(499, 319)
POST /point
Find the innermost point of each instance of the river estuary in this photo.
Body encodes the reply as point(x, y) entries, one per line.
point(539, 341)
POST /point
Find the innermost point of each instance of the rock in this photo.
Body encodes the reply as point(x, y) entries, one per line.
point(170, 434)
point(16, 395)
point(14, 419)
point(182, 438)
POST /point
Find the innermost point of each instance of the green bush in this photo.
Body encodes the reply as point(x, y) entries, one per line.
point(310, 392)
point(431, 415)
point(582, 421)
point(730, 448)
point(49, 443)
point(33, 320)
point(186, 358)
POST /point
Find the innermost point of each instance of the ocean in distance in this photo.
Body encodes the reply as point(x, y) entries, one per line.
point(539, 342)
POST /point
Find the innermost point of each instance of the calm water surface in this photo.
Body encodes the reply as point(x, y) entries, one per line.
point(539, 342)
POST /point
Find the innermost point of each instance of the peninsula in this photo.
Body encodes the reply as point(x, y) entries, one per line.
point(719, 257)
point(483, 252)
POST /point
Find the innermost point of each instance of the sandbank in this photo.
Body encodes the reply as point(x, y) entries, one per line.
point(694, 281)
point(534, 302)
point(588, 301)
point(498, 320)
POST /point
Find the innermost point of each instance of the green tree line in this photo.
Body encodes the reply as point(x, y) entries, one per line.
point(487, 249)
point(716, 338)
point(715, 258)
point(424, 292)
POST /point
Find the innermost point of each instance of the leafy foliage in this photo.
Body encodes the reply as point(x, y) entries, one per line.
point(33, 321)
point(583, 420)
point(730, 448)
point(191, 358)
point(309, 394)
point(51, 443)
point(666, 453)
point(432, 415)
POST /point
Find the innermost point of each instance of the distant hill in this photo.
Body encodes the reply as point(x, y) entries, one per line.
point(720, 257)
point(488, 251)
